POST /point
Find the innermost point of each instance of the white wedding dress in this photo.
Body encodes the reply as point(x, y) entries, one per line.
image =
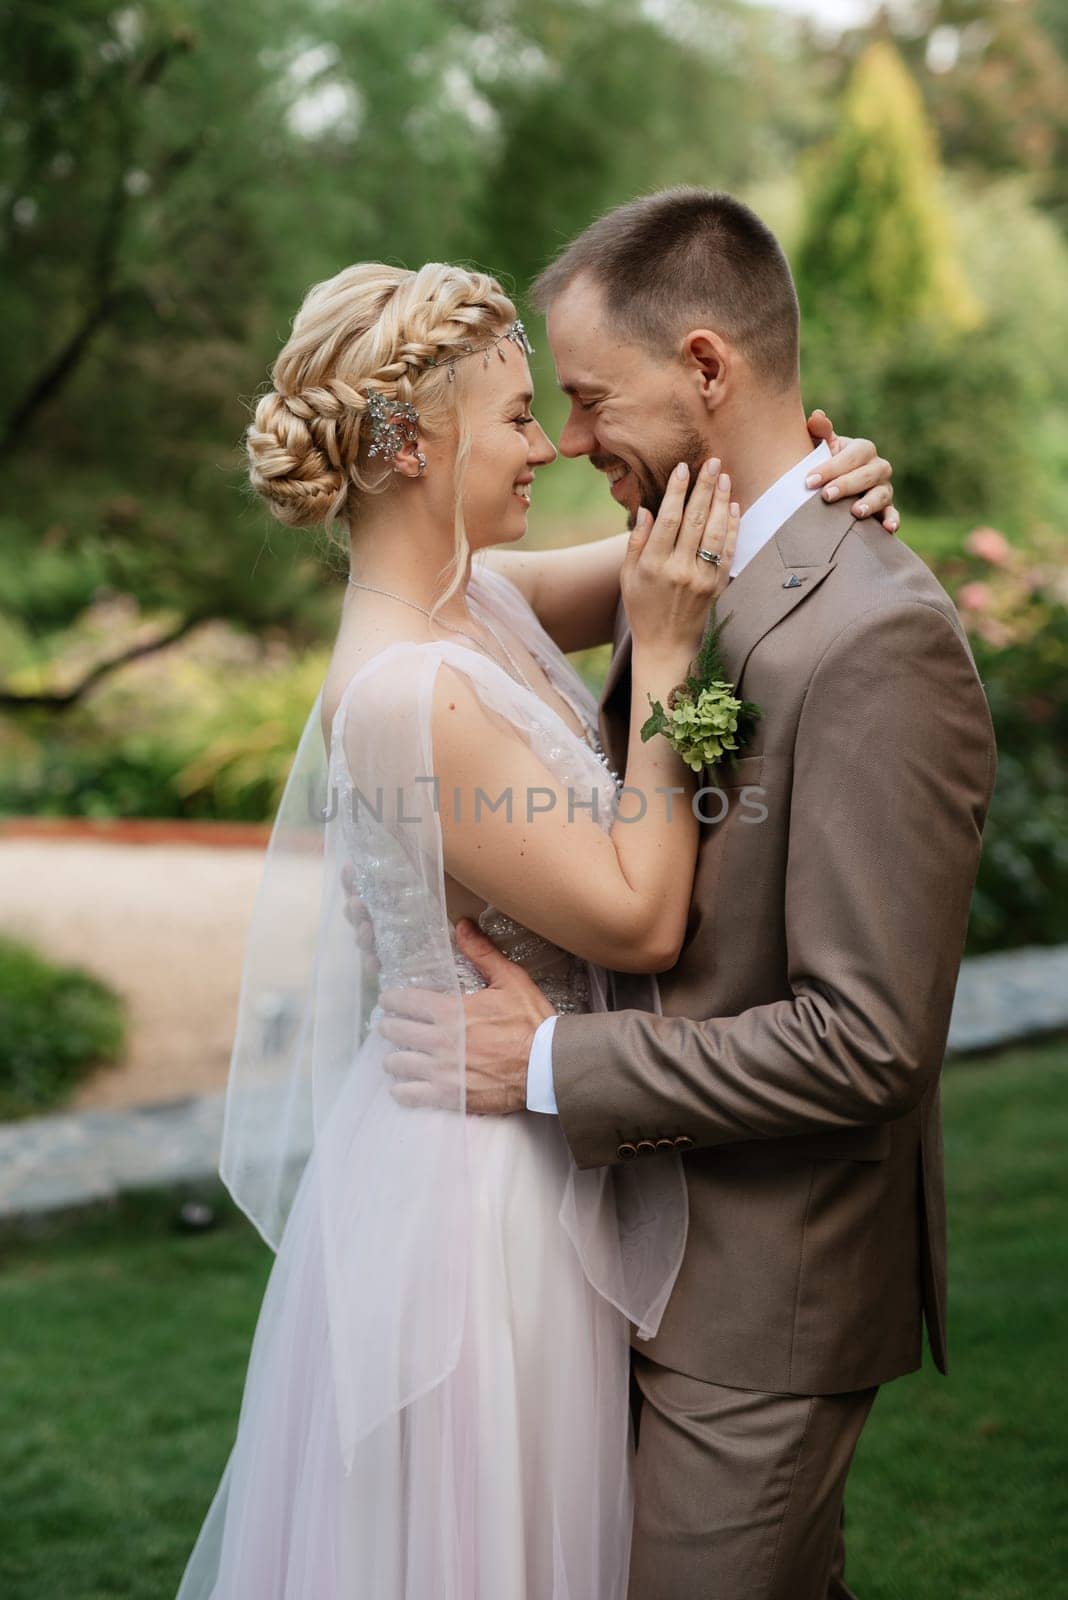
point(436, 1405)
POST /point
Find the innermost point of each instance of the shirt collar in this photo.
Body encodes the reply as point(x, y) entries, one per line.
point(775, 506)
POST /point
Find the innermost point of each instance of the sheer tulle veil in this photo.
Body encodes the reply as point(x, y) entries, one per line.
point(383, 1192)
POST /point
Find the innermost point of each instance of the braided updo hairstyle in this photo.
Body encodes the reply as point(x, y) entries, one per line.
point(371, 326)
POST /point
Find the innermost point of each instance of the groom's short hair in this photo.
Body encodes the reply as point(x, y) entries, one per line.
point(685, 258)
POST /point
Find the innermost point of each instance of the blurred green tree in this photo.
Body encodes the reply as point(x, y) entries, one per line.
point(582, 127)
point(875, 240)
point(139, 171)
point(995, 76)
point(894, 337)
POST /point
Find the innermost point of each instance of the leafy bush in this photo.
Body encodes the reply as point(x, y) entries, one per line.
point(1015, 606)
point(205, 731)
point(953, 413)
point(55, 1024)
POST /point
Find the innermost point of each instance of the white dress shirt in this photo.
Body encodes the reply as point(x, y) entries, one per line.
point(759, 524)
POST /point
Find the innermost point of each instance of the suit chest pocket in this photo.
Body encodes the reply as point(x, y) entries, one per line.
point(736, 774)
point(734, 791)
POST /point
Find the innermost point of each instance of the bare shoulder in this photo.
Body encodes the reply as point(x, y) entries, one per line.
point(385, 662)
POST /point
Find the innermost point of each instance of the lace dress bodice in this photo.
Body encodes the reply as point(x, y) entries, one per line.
point(390, 881)
point(562, 978)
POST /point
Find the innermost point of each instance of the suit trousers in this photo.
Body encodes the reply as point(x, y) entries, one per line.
point(739, 1495)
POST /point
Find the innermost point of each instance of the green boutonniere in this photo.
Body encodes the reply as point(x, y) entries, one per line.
point(704, 720)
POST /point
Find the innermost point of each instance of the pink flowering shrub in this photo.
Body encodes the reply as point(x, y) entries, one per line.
point(1014, 605)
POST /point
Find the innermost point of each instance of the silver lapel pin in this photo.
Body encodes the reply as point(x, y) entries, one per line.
point(793, 581)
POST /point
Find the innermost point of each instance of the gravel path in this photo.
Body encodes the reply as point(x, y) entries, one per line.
point(165, 926)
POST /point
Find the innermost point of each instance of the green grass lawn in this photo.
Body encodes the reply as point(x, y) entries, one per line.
point(125, 1344)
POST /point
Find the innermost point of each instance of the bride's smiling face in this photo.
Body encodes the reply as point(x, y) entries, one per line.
point(508, 445)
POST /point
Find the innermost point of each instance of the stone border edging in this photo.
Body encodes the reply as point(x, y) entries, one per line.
point(73, 1161)
point(1008, 996)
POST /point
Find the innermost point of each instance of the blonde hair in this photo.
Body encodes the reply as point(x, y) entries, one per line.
point(371, 327)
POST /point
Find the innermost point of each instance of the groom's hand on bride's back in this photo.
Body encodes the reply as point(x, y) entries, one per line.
point(856, 469)
point(499, 1025)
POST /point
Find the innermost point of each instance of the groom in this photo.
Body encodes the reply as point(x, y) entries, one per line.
point(796, 1063)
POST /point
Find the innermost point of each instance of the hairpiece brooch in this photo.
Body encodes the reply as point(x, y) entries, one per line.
point(394, 424)
point(516, 334)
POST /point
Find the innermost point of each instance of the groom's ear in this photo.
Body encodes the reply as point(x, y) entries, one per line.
point(710, 362)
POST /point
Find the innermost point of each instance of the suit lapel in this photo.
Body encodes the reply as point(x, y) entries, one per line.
point(780, 577)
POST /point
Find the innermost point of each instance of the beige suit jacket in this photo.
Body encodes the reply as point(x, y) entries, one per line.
point(797, 1061)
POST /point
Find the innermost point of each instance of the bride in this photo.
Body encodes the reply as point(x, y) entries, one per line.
point(436, 1403)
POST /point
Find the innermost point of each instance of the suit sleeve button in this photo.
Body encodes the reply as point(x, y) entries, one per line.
point(665, 1144)
point(646, 1147)
point(683, 1142)
point(627, 1152)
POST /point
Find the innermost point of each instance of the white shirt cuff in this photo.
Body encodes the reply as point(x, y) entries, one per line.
point(541, 1092)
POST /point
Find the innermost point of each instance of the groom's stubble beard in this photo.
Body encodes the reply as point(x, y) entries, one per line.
point(686, 445)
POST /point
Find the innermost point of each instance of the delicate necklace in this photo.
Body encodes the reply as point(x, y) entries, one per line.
point(593, 742)
point(515, 670)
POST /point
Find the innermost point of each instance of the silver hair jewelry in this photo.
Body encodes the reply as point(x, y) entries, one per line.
point(713, 556)
point(517, 334)
point(394, 425)
point(514, 671)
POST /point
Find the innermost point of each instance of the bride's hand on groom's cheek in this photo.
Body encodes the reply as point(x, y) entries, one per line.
point(499, 1025)
point(856, 469)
